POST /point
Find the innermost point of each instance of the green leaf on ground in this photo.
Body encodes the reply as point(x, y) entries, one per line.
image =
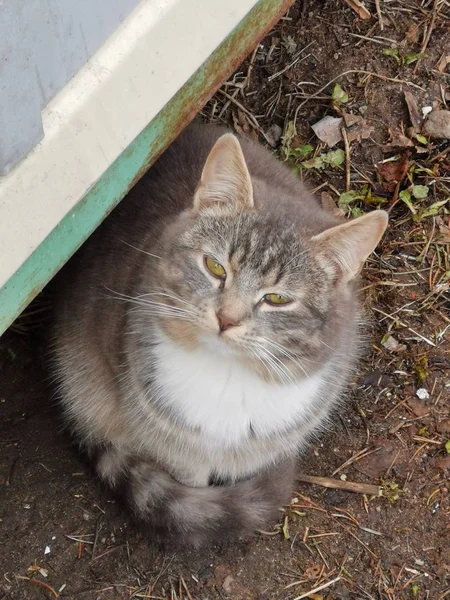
point(286, 139)
point(334, 158)
point(301, 151)
point(420, 191)
point(391, 52)
point(432, 210)
point(339, 95)
point(411, 58)
point(421, 139)
point(314, 163)
point(405, 197)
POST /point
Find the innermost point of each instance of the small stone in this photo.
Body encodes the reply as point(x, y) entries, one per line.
point(438, 124)
point(47, 550)
point(423, 394)
point(328, 130)
point(443, 426)
point(227, 585)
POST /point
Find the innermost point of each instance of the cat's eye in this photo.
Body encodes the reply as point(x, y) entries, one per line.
point(276, 299)
point(215, 268)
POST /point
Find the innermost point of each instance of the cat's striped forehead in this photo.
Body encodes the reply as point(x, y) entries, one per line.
point(254, 245)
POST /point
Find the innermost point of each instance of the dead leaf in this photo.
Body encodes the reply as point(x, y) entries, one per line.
point(443, 237)
point(360, 131)
point(328, 130)
point(443, 62)
point(398, 141)
point(329, 205)
point(359, 8)
point(395, 170)
point(413, 109)
point(313, 571)
point(351, 120)
point(391, 344)
point(242, 125)
point(412, 34)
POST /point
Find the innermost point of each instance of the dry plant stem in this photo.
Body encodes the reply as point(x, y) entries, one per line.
point(354, 72)
point(253, 121)
point(318, 589)
point(41, 583)
point(347, 159)
point(404, 325)
point(359, 9)
point(379, 15)
point(356, 457)
point(429, 31)
point(338, 484)
point(186, 589)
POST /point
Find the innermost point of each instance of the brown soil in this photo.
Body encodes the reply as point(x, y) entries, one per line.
point(62, 536)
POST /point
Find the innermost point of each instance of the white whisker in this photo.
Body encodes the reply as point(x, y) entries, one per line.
point(140, 250)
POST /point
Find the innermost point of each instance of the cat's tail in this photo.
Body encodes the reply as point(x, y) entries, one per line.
point(197, 515)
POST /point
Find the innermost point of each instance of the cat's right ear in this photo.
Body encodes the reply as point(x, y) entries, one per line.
point(225, 179)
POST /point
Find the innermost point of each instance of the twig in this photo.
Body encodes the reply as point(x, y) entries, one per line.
point(41, 583)
point(358, 456)
point(344, 74)
point(422, 337)
point(379, 15)
point(347, 158)
point(318, 589)
point(186, 589)
point(339, 484)
point(251, 117)
point(359, 9)
point(430, 29)
point(107, 552)
point(291, 64)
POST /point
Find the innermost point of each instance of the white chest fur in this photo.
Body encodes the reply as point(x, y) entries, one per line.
point(220, 396)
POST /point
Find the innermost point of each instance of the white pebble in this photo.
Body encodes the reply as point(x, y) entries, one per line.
point(423, 394)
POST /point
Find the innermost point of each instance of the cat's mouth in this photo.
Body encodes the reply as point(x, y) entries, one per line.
point(222, 344)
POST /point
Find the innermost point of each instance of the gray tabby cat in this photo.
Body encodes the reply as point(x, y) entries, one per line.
point(206, 330)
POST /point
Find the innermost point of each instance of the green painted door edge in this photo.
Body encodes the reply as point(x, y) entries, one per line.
point(76, 226)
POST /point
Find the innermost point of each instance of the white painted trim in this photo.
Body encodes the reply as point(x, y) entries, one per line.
point(102, 109)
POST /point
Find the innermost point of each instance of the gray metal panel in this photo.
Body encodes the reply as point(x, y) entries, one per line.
point(43, 43)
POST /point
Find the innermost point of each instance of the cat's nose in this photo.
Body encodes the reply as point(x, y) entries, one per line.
point(226, 322)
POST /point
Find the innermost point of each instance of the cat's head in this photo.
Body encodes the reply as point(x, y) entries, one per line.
point(237, 280)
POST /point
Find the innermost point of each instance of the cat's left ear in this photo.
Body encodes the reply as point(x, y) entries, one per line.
point(342, 250)
point(225, 178)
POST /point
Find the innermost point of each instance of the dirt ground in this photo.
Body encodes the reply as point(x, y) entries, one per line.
point(64, 537)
